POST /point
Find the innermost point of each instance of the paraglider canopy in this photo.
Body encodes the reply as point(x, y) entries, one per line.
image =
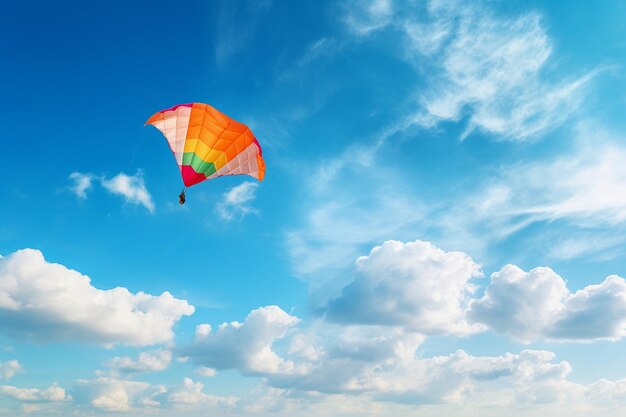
point(208, 144)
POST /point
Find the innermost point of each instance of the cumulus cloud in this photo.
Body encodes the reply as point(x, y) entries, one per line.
point(373, 362)
point(82, 184)
point(244, 346)
point(156, 360)
point(110, 394)
point(8, 369)
point(537, 305)
point(131, 187)
point(314, 366)
point(455, 377)
point(120, 395)
point(415, 285)
point(335, 356)
point(190, 392)
point(35, 395)
point(386, 368)
point(607, 393)
point(48, 302)
point(236, 202)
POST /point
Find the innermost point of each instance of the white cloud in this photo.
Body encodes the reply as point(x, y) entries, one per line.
point(493, 70)
point(53, 393)
point(386, 368)
point(82, 184)
point(490, 68)
point(606, 393)
point(48, 302)
point(30, 408)
point(579, 193)
point(415, 285)
point(236, 202)
point(191, 392)
point(8, 369)
point(456, 377)
point(244, 346)
point(342, 354)
point(131, 187)
point(476, 65)
point(332, 367)
point(365, 16)
point(206, 372)
point(587, 187)
point(156, 360)
point(537, 305)
point(374, 362)
point(110, 394)
point(119, 395)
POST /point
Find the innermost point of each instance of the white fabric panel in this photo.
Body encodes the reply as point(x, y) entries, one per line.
point(244, 163)
point(174, 128)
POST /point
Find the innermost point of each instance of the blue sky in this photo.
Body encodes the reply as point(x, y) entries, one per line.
point(440, 230)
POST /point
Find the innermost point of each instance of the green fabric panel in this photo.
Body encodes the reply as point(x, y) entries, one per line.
point(198, 165)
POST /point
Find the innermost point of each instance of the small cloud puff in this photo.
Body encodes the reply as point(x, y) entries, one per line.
point(82, 184)
point(8, 369)
point(157, 360)
point(236, 203)
point(130, 187)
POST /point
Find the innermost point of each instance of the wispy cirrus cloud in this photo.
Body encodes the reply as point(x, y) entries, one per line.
point(365, 16)
point(587, 187)
point(582, 190)
point(492, 70)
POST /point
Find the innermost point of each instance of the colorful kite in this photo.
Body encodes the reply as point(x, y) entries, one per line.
point(208, 144)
